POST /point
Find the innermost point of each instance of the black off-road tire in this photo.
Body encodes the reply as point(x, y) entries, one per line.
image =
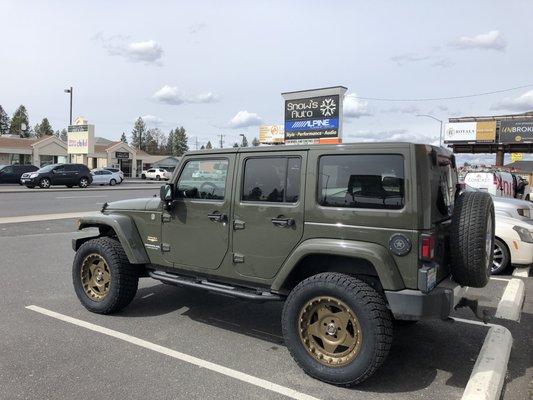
point(471, 251)
point(370, 309)
point(124, 276)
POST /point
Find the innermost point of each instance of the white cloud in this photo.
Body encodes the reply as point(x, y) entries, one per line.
point(492, 40)
point(151, 120)
point(402, 59)
point(172, 95)
point(245, 119)
point(523, 102)
point(148, 51)
point(353, 107)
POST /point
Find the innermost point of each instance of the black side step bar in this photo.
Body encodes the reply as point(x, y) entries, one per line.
point(214, 287)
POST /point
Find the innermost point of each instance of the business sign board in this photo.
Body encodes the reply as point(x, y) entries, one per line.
point(485, 131)
point(516, 131)
point(460, 132)
point(517, 157)
point(271, 134)
point(313, 114)
point(122, 155)
point(80, 139)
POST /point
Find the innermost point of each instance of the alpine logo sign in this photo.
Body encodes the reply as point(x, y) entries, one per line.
point(312, 117)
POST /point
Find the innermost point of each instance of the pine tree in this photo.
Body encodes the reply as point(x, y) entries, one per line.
point(170, 141)
point(179, 144)
point(4, 122)
point(209, 146)
point(20, 116)
point(202, 148)
point(123, 138)
point(63, 135)
point(138, 134)
point(244, 142)
point(44, 128)
point(255, 142)
point(150, 143)
point(235, 144)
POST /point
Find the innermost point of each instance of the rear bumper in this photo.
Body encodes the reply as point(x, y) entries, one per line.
point(411, 304)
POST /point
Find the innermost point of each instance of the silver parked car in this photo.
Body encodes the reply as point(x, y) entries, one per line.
point(105, 177)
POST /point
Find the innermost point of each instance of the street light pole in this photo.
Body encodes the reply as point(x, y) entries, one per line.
point(71, 91)
point(436, 119)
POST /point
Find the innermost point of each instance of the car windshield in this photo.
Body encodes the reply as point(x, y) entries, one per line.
point(47, 168)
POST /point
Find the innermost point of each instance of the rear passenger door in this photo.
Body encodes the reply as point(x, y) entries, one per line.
point(268, 212)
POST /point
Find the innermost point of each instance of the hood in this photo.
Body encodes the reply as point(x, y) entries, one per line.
point(511, 201)
point(143, 204)
point(505, 220)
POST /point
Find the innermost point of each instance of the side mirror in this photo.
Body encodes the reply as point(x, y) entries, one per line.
point(166, 193)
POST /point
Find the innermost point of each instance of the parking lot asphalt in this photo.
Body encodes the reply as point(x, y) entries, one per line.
point(44, 357)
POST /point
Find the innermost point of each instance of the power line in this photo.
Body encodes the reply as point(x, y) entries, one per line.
point(447, 98)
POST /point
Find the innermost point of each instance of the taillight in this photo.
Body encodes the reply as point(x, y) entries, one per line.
point(427, 246)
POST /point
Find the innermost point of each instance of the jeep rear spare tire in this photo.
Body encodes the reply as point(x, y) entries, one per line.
point(472, 239)
point(337, 328)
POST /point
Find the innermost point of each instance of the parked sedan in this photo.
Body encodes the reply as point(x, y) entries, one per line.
point(156, 173)
point(105, 177)
point(514, 208)
point(121, 174)
point(13, 173)
point(513, 242)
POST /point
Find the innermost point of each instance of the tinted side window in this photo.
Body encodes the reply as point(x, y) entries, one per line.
point(8, 170)
point(203, 179)
point(272, 179)
point(361, 181)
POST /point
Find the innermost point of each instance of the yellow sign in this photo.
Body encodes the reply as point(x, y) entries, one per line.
point(517, 157)
point(271, 134)
point(486, 131)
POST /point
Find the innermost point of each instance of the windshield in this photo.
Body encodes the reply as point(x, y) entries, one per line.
point(48, 168)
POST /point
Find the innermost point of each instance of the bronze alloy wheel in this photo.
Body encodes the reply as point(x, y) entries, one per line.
point(330, 331)
point(95, 277)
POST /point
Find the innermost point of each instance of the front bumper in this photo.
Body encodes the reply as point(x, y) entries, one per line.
point(411, 304)
point(521, 252)
point(28, 181)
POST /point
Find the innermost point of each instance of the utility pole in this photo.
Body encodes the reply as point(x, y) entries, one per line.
point(196, 142)
point(71, 91)
point(222, 141)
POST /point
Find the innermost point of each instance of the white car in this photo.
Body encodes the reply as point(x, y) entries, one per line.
point(513, 208)
point(513, 242)
point(156, 173)
point(105, 177)
point(117, 170)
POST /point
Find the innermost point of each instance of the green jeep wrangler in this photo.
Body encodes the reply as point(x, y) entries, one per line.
point(351, 237)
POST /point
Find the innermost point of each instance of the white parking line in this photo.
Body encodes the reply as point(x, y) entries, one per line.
point(521, 272)
point(486, 380)
point(45, 217)
point(510, 305)
point(77, 197)
point(495, 278)
point(241, 376)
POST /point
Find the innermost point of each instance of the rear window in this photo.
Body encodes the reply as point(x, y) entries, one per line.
point(362, 181)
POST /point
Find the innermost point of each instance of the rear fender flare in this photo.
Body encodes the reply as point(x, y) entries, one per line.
point(377, 255)
point(125, 229)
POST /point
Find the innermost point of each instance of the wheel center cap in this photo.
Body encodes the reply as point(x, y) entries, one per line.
point(99, 277)
point(331, 329)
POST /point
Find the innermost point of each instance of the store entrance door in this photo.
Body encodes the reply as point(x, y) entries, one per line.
point(125, 166)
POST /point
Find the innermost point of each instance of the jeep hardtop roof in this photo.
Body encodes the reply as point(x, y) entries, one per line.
point(326, 147)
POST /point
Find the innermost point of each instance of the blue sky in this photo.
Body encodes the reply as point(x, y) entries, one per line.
point(219, 67)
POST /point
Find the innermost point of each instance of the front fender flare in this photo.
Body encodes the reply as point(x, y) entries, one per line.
point(126, 232)
point(377, 255)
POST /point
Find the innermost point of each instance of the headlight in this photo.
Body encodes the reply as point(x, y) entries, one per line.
point(524, 212)
point(525, 235)
point(34, 175)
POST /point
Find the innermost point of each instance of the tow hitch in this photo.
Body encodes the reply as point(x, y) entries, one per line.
point(482, 315)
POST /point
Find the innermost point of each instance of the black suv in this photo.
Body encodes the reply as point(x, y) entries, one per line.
point(59, 174)
point(12, 173)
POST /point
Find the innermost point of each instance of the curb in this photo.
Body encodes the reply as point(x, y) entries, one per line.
point(521, 272)
point(89, 189)
point(486, 380)
point(510, 305)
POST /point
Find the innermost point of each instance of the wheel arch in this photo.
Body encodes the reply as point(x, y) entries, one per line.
point(120, 226)
point(368, 261)
point(506, 246)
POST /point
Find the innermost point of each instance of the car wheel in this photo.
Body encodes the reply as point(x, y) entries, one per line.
point(112, 182)
point(337, 328)
point(104, 280)
point(44, 183)
point(502, 259)
point(143, 176)
point(157, 178)
point(84, 182)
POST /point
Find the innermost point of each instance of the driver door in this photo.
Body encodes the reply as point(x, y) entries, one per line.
point(196, 233)
point(59, 175)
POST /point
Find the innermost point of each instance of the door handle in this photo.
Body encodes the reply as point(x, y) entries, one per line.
point(283, 222)
point(217, 216)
